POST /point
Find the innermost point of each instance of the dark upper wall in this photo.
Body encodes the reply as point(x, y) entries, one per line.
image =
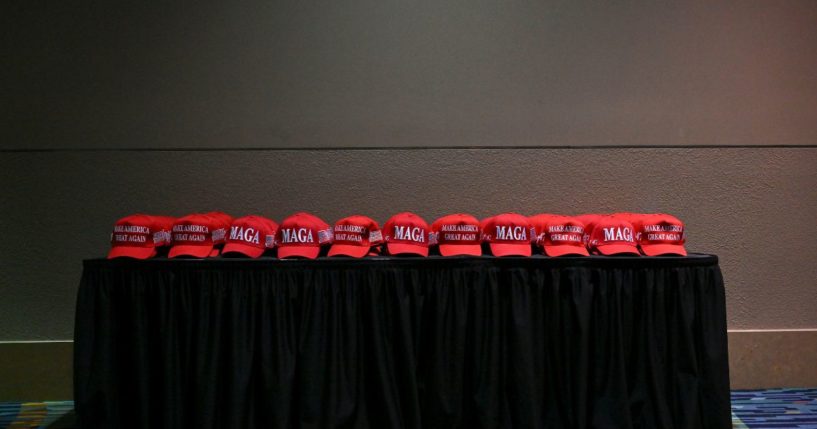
point(407, 73)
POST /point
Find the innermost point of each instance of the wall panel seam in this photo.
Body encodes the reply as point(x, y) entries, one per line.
point(399, 148)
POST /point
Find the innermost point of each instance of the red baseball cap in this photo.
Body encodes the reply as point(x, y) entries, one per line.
point(508, 234)
point(660, 234)
point(302, 235)
point(589, 220)
point(354, 236)
point(559, 235)
point(483, 223)
point(137, 236)
point(629, 216)
point(198, 235)
point(222, 224)
point(613, 235)
point(221, 216)
point(406, 233)
point(457, 234)
point(251, 236)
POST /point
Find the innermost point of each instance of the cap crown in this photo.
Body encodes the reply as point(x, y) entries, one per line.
point(255, 231)
point(632, 217)
point(628, 216)
point(140, 230)
point(612, 230)
point(557, 230)
point(589, 220)
point(539, 224)
point(406, 228)
point(303, 229)
point(660, 228)
point(456, 229)
point(221, 216)
point(357, 230)
point(508, 228)
point(196, 230)
point(164, 226)
point(221, 223)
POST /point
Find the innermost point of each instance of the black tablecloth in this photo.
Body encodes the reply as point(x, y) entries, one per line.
point(390, 343)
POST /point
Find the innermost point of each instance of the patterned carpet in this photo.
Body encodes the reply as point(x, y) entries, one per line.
point(52, 414)
point(751, 409)
point(775, 408)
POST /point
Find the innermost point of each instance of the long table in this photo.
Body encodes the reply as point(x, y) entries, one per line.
point(462, 342)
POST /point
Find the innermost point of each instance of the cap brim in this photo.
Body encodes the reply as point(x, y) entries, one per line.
point(406, 249)
point(617, 249)
point(188, 250)
point(309, 252)
point(460, 249)
point(506, 249)
point(132, 252)
point(251, 251)
point(664, 249)
point(348, 250)
point(562, 250)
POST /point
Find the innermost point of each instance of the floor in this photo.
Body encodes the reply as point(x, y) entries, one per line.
point(774, 408)
point(51, 415)
point(751, 409)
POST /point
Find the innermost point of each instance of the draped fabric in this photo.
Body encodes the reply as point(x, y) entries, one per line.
point(402, 343)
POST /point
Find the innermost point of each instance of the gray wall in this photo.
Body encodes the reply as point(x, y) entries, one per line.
point(753, 207)
point(94, 98)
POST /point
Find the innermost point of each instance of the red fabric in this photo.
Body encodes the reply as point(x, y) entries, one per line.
point(457, 234)
point(138, 235)
point(354, 236)
point(251, 236)
point(508, 234)
point(302, 235)
point(406, 233)
point(660, 234)
point(559, 235)
point(199, 235)
point(613, 235)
